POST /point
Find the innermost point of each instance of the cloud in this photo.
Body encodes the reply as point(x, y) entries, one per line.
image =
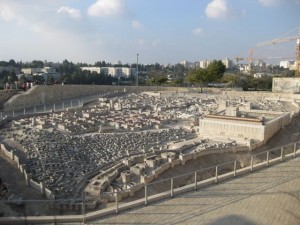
point(105, 8)
point(136, 24)
point(7, 13)
point(217, 9)
point(73, 13)
point(58, 36)
point(197, 31)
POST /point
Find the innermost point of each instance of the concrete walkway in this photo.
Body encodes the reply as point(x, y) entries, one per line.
point(267, 196)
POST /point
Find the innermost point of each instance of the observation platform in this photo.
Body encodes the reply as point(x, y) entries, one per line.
point(267, 196)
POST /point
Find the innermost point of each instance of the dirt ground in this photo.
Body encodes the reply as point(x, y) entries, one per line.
point(286, 135)
point(17, 189)
point(15, 181)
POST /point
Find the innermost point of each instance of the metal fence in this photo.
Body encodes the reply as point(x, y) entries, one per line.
point(81, 210)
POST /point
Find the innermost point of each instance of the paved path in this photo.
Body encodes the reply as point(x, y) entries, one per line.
point(268, 196)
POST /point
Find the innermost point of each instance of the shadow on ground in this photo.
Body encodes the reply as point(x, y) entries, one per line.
point(232, 220)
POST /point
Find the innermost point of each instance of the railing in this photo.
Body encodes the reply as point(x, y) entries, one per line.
point(78, 210)
point(55, 107)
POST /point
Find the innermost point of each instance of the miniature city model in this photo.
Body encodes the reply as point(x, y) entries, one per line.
point(122, 143)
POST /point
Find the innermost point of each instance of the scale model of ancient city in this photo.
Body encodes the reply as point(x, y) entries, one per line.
point(121, 140)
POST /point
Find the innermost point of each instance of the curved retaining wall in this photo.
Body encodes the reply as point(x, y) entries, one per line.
point(5, 95)
point(43, 94)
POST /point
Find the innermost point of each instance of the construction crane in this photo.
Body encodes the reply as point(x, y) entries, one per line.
point(250, 59)
point(285, 39)
point(237, 59)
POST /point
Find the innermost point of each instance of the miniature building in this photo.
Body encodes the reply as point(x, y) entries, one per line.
point(258, 128)
point(151, 161)
point(138, 169)
point(232, 111)
point(126, 176)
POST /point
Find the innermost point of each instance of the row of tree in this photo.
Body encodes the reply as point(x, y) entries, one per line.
point(154, 74)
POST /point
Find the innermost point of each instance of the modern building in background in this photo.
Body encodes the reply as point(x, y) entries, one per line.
point(228, 63)
point(92, 69)
point(205, 63)
point(45, 72)
point(112, 71)
point(288, 64)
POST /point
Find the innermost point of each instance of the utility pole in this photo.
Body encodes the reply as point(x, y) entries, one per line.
point(137, 69)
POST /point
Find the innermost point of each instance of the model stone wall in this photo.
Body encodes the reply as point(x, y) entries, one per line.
point(29, 182)
point(43, 94)
point(240, 130)
point(262, 95)
point(236, 130)
point(286, 85)
point(273, 126)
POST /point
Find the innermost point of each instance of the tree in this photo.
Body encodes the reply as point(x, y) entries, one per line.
point(197, 76)
point(12, 63)
point(67, 79)
point(12, 77)
point(50, 79)
point(22, 79)
point(159, 80)
point(230, 80)
point(215, 71)
point(38, 79)
point(177, 82)
point(37, 64)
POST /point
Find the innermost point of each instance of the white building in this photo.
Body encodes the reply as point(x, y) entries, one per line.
point(259, 75)
point(118, 71)
point(204, 63)
point(228, 63)
point(289, 64)
point(38, 70)
point(91, 69)
point(112, 71)
point(185, 63)
point(127, 72)
point(31, 70)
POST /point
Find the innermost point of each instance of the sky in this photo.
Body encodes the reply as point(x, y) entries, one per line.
point(162, 31)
